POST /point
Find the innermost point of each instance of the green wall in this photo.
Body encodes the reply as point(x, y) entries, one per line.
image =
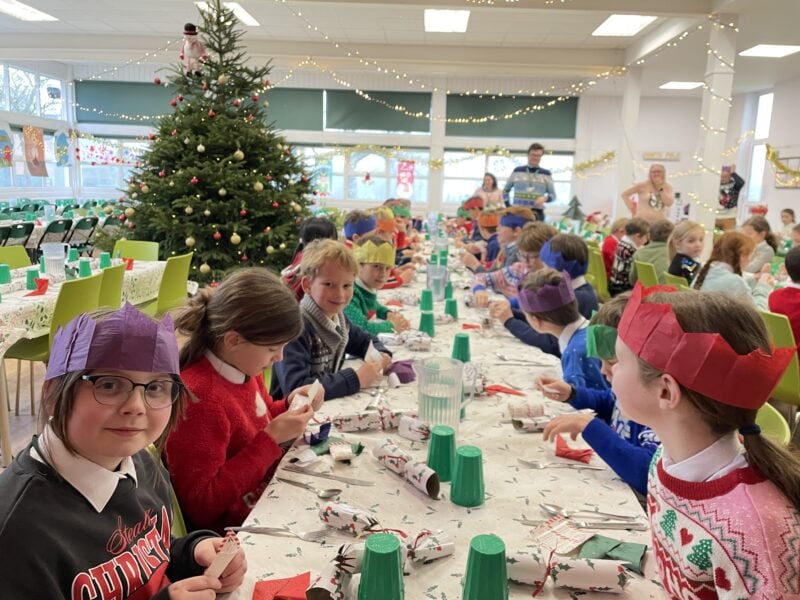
point(556, 121)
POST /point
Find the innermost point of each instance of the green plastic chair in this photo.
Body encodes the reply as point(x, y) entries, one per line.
point(111, 286)
point(646, 273)
point(172, 291)
point(773, 425)
point(675, 280)
point(178, 524)
point(56, 231)
point(16, 257)
point(598, 270)
point(4, 231)
point(780, 333)
point(20, 234)
point(81, 234)
point(136, 250)
point(75, 297)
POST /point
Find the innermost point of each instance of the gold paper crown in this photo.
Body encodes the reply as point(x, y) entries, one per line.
point(370, 252)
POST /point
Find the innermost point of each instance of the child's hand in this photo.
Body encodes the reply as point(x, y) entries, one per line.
point(480, 299)
point(386, 360)
point(368, 373)
point(766, 269)
point(469, 261)
point(573, 424)
point(473, 248)
point(553, 389)
point(767, 279)
point(501, 310)
point(782, 273)
point(316, 402)
point(407, 276)
point(408, 252)
point(398, 321)
point(206, 551)
point(195, 588)
point(289, 425)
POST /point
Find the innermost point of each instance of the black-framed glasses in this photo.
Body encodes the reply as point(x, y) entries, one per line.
point(527, 256)
point(114, 390)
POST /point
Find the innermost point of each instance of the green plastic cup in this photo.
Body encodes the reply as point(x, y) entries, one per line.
point(426, 300)
point(30, 277)
point(486, 577)
point(467, 486)
point(443, 258)
point(41, 264)
point(73, 255)
point(5, 273)
point(84, 267)
point(30, 217)
point(442, 451)
point(426, 322)
point(381, 569)
point(434, 260)
point(461, 346)
point(448, 290)
point(105, 260)
point(451, 307)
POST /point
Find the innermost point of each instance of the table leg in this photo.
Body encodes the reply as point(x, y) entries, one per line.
point(5, 429)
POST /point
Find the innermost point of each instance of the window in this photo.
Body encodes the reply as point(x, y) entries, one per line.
point(3, 89)
point(463, 173)
point(31, 93)
point(51, 98)
point(763, 115)
point(108, 162)
point(17, 176)
point(758, 162)
point(23, 87)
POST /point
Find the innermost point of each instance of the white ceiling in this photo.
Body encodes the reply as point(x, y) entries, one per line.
point(527, 39)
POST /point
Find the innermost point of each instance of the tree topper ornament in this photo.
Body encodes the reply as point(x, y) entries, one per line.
point(192, 50)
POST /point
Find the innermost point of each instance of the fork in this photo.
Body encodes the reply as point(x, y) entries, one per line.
point(308, 536)
point(534, 464)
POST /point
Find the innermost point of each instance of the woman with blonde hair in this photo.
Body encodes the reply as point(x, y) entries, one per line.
point(655, 195)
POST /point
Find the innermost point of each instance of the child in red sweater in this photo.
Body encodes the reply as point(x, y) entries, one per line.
point(786, 301)
point(610, 243)
point(224, 452)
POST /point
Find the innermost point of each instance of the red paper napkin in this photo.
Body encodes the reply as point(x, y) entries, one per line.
point(129, 263)
point(564, 451)
point(470, 326)
point(292, 588)
point(501, 389)
point(394, 303)
point(41, 287)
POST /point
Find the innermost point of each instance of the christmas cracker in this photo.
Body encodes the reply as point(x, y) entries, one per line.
point(348, 518)
point(535, 566)
point(413, 429)
point(417, 473)
point(525, 409)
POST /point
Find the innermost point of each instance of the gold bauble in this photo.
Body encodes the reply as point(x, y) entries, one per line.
point(258, 186)
point(188, 210)
point(222, 191)
point(205, 269)
point(108, 210)
point(238, 155)
point(129, 212)
point(270, 249)
point(207, 212)
point(145, 189)
point(236, 239)
point(190, 241)
point(222, 79)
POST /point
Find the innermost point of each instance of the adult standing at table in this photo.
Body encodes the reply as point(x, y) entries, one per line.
point(730, 184)
point(533, 185)
point(655, 195)
point(491, 195)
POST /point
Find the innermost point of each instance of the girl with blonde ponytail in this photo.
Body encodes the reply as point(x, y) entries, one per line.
point(723, 499)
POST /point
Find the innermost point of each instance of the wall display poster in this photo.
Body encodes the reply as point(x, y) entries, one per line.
point(33, 142)
point(405, 179)
point(6, 145)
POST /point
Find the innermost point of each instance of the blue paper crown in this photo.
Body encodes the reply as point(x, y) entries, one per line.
point(554, 260)
point(360, 227)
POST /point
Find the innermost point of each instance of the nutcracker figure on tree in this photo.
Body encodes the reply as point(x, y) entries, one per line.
point(218, 180)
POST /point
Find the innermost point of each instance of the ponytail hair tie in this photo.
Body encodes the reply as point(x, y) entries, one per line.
point(750, 430)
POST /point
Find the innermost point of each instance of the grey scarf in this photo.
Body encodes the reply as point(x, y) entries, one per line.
point(333, 336)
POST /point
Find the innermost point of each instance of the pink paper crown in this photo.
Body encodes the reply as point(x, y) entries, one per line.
point(702, 362)
point(125, 340)
point(548, 297)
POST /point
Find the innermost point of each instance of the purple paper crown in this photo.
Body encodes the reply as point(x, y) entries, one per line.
point(548, 297)
point(125, 340)
point(555, 260)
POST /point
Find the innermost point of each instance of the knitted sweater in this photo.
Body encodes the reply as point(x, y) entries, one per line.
point(619, 281)
point(654, 253)
point(363, 307)
point(304, 359)
point(786, 301)
point(625, 445)
point(528, 184)
point(721, 278)
point(683, 266)
point(734, 537)
point(608, 250)
point(56, 545)
point(219, 456)
point(763, 255)
point(577, 368)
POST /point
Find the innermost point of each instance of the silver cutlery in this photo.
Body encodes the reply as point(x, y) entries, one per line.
point(308, 536)
point(632, 525)
point(556, 510)
point(535, 464)
point(349, 480)
point(324, 494)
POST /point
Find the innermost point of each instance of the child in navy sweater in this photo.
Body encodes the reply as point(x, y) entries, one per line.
point(626, 446)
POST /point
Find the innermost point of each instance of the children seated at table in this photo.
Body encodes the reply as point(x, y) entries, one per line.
point(512, 220)
point(375, 258)
point(758, 229)
point(222, 455)
point(313, 228)
point(548, 300)
point(786, 301)
point(723, 499)
point(787, 223)
point(485, 251)
point(636, 232)
point(685, 246)
point(795, 236)
point(723, 270)
point(654, 252)
point(328, 271)
point(474, 206)
point(626, 446)
point(358, 224)
point(609, 247)
point(85, 507)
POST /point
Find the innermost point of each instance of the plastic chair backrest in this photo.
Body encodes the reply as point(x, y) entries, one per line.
point(773, 425)
point(675, 280)
point(56, 231)
point(598, 271)
point(780, 333)
point(136, 250)
point(646, 273)
point(111, 286)
point(178, 524)
point(75, 297)
point(19, 234)
point(15, 257)
point(4, 231)
point(172, 291)
point(84, 227)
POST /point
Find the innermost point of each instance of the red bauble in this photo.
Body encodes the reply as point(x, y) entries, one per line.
point(122, 218)
point(267, 229)
point(131, 225)
point(304, 179)
point(173, 103)
point(157, 81)
point(180, 97)
point(211, 113)
point(244, 258)
point(162, 173)
point(194, 181)
point(217, 236)
point(268, 177)
point(275, 205)
point(174, 132)
point(236, 102)
point(243, 213)
point(152, 136)
point(251, 118)
point(254, 97)
point(205, 87)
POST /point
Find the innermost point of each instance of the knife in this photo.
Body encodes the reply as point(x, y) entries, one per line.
point(349, 480)
point(635, 526)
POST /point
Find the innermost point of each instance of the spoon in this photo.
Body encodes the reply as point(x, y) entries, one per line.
point(556, 510)
point(329, 493)
point(534, 464)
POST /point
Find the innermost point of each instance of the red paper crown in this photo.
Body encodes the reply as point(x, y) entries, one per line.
point(702, 362)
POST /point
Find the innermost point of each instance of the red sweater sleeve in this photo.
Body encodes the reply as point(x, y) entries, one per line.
point(608, 251)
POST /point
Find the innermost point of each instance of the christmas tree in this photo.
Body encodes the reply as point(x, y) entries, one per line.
point(218, 180)
point(574, 211)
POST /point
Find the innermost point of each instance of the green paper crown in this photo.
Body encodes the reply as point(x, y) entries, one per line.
point(601, 341)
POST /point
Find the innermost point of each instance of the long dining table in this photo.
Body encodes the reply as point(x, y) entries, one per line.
point(513, 490)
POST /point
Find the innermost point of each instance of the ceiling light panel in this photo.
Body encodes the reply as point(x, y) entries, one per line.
point(681, 85)
point(623, 25)
point(446, 21)
point(244, 17)
point(770, 51)
point(23, 12)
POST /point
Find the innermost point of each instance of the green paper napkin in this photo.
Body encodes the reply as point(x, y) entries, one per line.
point(325, 446)
point(601, 546)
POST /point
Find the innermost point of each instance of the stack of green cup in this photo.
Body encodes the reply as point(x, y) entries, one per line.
point(486, 577)
point(105, 260)
point(426, 300)
point(30, 277)
point(382, 569)
point(434, 260)
point(5, 273)
point(73, 255)
point(426, 321)
point(41, 264)
point(451, 307)
point(467, 486)
point(443, 258)
point(442, 451)
point(448, 290)
point(84, 267)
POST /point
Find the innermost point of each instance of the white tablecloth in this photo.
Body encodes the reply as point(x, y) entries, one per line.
point(512, 491)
